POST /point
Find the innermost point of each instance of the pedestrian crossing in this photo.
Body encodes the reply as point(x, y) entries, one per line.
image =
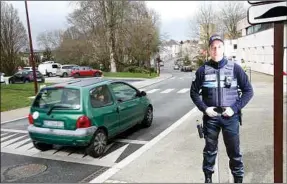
point(18, 142)
point(166, 91)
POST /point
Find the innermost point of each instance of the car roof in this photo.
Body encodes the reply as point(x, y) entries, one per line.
point(80, 83)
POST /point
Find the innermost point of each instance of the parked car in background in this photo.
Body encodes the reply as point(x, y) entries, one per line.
point(86, 113)
point(65, 70)
point(86, 71)
point(176, 67)
point(48, 68)
point(2, 77)
point(25, 76)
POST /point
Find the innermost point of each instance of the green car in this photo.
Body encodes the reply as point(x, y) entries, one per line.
point(86, 113)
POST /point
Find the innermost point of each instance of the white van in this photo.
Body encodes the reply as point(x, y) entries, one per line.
point(48, 68)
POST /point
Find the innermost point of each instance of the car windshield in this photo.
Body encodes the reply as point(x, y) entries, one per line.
point(59, 97)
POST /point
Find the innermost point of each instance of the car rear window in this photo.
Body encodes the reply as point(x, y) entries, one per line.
point(66, 98)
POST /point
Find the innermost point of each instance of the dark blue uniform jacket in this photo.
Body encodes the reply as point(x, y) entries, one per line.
point(242, 81)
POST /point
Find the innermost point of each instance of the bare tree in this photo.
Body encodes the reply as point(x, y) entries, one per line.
point(13, 37)
point(117, 31)
point(204, 24)
point(50, 39)
point(232, 12)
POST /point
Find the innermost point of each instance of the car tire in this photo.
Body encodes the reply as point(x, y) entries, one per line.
point(98, 144)
point(97, 74)
point(65, 74)
point(148, 118)
point(77, 75)
point(49, 74)
point(42, 146)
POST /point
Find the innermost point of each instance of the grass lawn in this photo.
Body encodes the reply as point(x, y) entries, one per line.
point(14, 96)
point(129, 75)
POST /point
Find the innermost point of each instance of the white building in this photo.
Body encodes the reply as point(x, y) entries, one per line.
point(230, 49)
point(169, 50)
point(256, 47)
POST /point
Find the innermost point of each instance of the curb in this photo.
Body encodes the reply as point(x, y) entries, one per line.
point(156, 82)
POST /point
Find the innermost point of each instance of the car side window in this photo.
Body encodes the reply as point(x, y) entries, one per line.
point(123, 91)
point(100, 97)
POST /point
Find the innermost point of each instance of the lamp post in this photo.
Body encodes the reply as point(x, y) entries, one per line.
point(31, 49)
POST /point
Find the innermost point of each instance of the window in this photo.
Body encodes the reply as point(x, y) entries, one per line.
point(123, 91)
point(235, 46)
point(100, 97)
point(64, 98)
point(54, 66)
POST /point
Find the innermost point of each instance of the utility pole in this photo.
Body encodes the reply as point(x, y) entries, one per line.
point(31, 49)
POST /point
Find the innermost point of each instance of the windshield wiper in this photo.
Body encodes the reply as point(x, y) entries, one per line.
point(58, 106)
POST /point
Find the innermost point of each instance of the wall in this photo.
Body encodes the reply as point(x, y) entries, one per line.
point(229, 50)
point(257, 50)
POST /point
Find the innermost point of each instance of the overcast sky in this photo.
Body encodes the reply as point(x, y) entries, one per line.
point(51, 15)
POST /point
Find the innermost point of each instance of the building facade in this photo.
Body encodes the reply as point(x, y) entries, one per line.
point(256, 44)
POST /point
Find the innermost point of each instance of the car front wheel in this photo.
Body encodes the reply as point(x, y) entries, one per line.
point(147, 121)
point(98, 144)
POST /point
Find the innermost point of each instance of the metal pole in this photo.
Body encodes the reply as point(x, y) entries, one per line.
point(31, 50)
point(278, 101)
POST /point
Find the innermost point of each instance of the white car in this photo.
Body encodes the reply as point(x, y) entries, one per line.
point(2, 77)
point(176, 67)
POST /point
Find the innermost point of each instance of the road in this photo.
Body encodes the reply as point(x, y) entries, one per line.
point(64, 164)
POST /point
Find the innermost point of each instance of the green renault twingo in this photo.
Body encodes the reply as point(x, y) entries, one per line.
point(86, 113)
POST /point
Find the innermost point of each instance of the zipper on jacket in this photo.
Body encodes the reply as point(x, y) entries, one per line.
point(218, 87)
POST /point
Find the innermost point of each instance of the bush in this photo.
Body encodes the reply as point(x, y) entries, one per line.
point(136, 69)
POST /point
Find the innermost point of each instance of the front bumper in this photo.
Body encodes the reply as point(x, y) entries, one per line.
point(78, 137)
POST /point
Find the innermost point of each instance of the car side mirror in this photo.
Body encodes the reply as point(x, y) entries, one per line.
point(143, 93)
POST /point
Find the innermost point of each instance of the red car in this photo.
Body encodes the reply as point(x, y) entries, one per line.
point(84, 71)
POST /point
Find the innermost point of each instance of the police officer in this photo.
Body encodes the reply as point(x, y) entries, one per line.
point(219, 81)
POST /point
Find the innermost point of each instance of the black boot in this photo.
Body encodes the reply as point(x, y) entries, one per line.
point(238, 179)
point(208, 178)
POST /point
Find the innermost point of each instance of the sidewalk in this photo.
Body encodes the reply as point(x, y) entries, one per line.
point(23, 112)
point(177, 156)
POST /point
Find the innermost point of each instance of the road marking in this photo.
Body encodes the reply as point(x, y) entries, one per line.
point(116, 140)
point(172, 78)
point(17, 144)
point(2, 135)
point(152, 91)
point(184, 90)
point(7, 137)
point(167, 90)
point(112, 157)
point(13, 120)
point(131, 141)
point(12, 130)
point(4, 144)
point(117, 167)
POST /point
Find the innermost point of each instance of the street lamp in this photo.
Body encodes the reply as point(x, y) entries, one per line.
point(31, 49)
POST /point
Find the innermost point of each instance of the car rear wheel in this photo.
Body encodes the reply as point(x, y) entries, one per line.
point(147, 121)
point(77, 75)
point(98, 144)
point(65, 74)
point(42, 146)
point(96, 74)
